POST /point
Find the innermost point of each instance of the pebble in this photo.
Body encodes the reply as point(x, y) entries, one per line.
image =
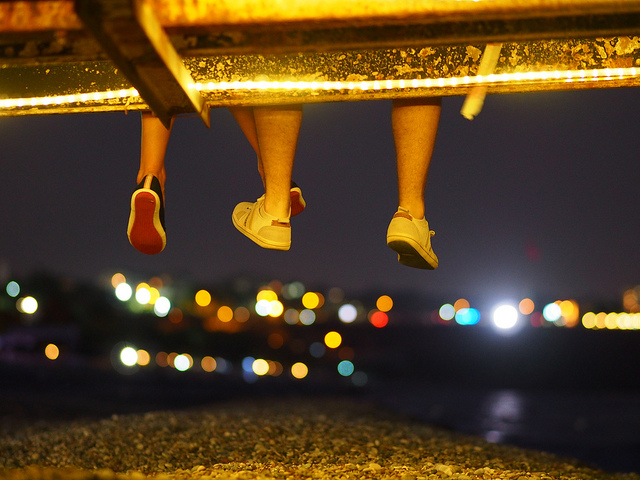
point(270, 440)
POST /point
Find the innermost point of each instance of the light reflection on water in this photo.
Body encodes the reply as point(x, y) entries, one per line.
point(599, 427)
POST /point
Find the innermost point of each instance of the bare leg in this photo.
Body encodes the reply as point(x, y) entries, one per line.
point(278, 129)
point(245, 118)
point(155, 138)
point(415, 125)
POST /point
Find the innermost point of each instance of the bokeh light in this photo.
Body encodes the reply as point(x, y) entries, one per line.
point(447, 312)
point(183, 362)
point(208, 364)
point(28, 305)
point(129, 356)
point(143, 358)
point(467, 316)
point(307, 317)
point(124, 292)
point(260, 367)
point(299, 370)
point(162, 307)
point(143, 294)
point(345, 368)
point(347, 313)
point(225, 314)
point(333, 339)
point(203, 298)
point(379, 319)
point(310, 300)
point(13, 289)
point(505, 317)
point(526, 306)
point(51, 351)
point(552, 312)
point(384, 303)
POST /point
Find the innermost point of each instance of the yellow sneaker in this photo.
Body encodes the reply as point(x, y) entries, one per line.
point(411, 239)
point(264, 229)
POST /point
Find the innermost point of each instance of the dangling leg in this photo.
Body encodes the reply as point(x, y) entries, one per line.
point(415, 126)
point(146, 229)
point(246, 119)
point(266, 221)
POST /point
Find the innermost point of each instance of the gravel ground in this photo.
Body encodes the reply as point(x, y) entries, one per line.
point(275, 439)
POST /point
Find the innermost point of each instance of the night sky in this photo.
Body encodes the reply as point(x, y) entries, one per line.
point(538, 196)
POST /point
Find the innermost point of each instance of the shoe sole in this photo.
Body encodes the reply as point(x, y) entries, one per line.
point(410, 253)
point(145, 229)
point(264, 244)
point(297, 202)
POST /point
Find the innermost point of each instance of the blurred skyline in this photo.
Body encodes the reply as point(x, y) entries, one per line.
point(536, 196)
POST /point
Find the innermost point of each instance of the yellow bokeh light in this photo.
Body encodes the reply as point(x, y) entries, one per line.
point(526, 306)
point(143, 358)
point(51, 351)
point(225, 314)
point(589, 320)
point(260, 367)
point(384, 303)
point(333, 339)
point(203, 298)
point(268, 295)
point(117, 279)
point(276, 308)
point(299, 370)
point(154, 294)
point(310, 300)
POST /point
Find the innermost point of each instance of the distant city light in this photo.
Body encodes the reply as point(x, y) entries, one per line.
point(379, 319)
point(526, 306)
point(183, 362)
point(117, 279)
point(552, 312)
point(345, 368)
point(162, 307)
point(275, 308)
point(384, 303)
point(307, 317)
point(263, 307)
point(247, 364)
point(447, 312)
point(260, 367)
point(28, 305)
point(333, 339)
point(505, 316)
point(123, 292)
point(311, 300)
point(299, 370)
point(467, 316)
point(143, 358)
point(203, 298)
point(347, 313)
point(129, 356)
point(266, 294)
point(51, 351)
point(208, 364)
point(143, 295)
point(13, 289)
point(225, 314)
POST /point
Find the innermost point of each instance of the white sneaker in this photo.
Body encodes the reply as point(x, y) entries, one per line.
point(411, 239)
point(264, 229)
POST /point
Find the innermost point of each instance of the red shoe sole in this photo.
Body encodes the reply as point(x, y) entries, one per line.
point(296, 205)
point(146, 233)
